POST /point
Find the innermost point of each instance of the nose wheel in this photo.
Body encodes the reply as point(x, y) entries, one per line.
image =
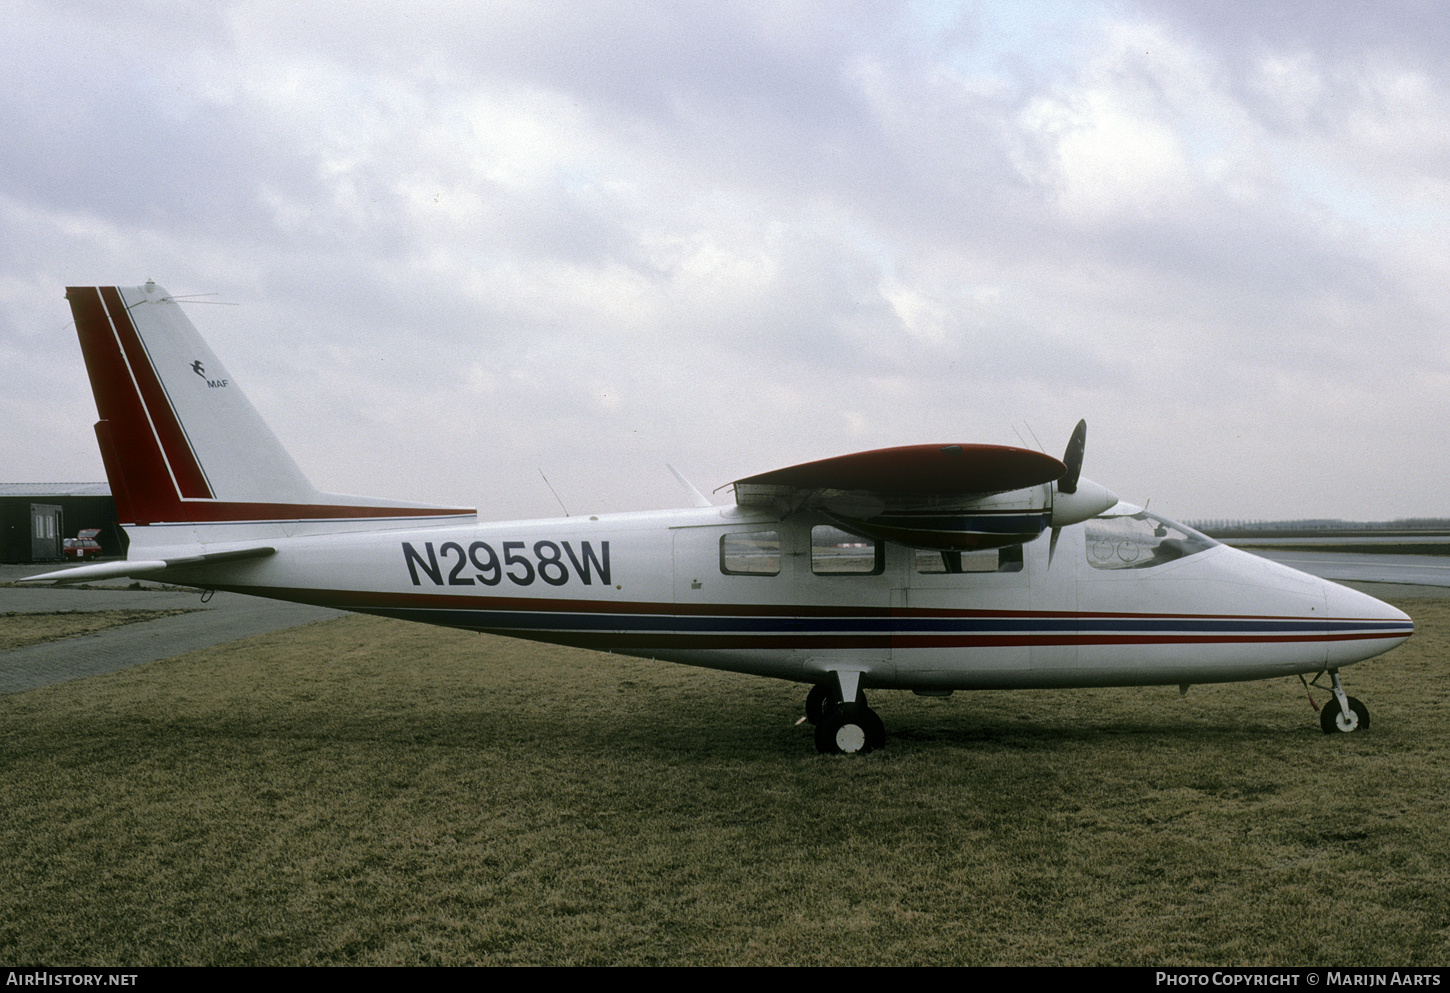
point(1334, 720)
point(1343, 714)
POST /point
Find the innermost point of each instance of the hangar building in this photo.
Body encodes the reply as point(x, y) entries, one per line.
point(36, 517)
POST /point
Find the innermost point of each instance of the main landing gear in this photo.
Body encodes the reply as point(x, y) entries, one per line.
point(1342, 714)
point(843, 728)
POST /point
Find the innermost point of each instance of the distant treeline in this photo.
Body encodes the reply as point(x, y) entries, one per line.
point(1217, 526)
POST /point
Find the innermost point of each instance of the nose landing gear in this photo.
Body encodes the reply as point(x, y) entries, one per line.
point(1343, 713)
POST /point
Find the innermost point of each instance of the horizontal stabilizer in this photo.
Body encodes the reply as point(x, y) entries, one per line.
point(145, 567)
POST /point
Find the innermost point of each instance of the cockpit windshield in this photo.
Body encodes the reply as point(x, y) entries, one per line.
point(1141, 541)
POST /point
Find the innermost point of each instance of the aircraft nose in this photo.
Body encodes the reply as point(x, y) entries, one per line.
point(1362, 627)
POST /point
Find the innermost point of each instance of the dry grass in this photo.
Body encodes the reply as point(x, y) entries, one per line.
point(18, 630)
point(366, 791)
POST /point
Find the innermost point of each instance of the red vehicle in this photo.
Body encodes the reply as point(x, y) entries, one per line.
point(84, 545)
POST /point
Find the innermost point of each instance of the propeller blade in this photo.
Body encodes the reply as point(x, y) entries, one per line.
point(1075, 498)
point(1072, 458)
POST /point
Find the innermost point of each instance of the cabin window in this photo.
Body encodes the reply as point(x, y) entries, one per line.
point(1140, 541)
point(750, 553)
point(1008, 559)
point(840, 553)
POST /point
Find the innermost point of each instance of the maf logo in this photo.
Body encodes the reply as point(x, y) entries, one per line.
point(200, 370)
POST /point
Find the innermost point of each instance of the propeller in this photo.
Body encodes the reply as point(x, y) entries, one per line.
point(1068, 505)
point(1072, 458)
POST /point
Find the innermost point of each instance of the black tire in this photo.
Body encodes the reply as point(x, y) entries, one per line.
point(1330, 717)
point(821, 699)
point(850, 729)
point(875, 728)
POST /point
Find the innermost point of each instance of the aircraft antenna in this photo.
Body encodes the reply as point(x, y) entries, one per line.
point(1034, 437)
point(189, 298)
point(696, 497)
point(553, 491)
point(192, 298)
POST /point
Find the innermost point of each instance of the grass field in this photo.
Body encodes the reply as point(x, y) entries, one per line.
point(364, 791)
point(18, 630)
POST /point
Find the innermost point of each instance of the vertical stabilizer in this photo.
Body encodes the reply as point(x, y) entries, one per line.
point(180, 440)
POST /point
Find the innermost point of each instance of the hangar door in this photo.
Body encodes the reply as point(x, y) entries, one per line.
point(45, 532)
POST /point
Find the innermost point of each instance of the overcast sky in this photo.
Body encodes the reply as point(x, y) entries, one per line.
point(470, 241)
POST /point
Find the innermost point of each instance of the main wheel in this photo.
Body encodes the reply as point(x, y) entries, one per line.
point(1333, 720)
point(824, 698)
point(819, 700)
point(850, 729)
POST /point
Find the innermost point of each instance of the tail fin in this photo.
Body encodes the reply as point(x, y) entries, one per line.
point(180, 441)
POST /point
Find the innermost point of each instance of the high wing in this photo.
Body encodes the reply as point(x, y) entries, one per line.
point(955, 497)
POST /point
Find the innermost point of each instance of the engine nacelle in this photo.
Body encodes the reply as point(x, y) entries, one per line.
point(1088, 501)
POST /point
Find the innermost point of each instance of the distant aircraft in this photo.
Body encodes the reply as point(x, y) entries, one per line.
point(930, 568)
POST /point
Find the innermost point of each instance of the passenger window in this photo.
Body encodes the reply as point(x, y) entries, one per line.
point(1008, 559)
point(839, 553)
point(750, 553)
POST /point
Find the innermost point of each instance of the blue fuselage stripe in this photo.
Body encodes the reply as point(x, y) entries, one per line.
point(967, 626)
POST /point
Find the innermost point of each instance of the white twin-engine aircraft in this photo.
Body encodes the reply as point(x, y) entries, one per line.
point(917, 568)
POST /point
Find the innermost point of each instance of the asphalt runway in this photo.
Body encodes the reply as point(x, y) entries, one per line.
point(1356, 567)
point(225, 617)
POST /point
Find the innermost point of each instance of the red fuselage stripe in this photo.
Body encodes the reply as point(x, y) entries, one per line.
point(616, 627)
point(442, 601)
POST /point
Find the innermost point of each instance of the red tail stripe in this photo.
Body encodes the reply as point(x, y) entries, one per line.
point(120, 493)
point(185, 470)
point(136, 464)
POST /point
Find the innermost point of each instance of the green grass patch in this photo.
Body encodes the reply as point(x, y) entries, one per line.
point(20, 629)
point(365, 791)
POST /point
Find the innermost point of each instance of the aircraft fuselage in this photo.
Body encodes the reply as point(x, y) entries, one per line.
point(735, 589)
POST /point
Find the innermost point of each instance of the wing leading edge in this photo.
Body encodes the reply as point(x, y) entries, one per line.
point(943, 497)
